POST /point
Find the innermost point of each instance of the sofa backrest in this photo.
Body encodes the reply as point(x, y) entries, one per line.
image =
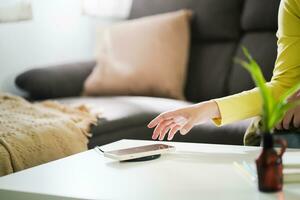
point(218, 29)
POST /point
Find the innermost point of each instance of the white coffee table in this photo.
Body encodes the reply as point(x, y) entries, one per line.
point(195, 171)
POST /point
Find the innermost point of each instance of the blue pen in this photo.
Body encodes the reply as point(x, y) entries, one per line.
point(250, 169)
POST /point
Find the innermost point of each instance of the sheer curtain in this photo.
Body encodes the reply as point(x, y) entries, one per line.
point(107, 8)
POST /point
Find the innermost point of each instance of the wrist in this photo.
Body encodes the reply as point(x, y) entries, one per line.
point(210, 108)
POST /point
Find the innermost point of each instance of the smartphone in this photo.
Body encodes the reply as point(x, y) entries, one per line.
point(139, 152)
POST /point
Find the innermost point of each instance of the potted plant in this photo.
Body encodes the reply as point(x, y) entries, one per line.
point(269, 163)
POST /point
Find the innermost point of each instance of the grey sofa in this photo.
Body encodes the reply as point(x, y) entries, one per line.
point(219, 28)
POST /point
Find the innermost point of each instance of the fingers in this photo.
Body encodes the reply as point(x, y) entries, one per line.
point(173, 127)
point(186, 128)
point(287, 120)
point(166, 130)
point(158, 129)
point(279, 126)
point(154, 122)
point(292, 117)
point(173, 132)
point(296, 121)
point(169, 122)
point(159, 118)
point(163, 128)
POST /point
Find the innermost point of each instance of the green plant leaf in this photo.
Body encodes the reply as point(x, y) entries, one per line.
point(260, 82)
point(289, 93)
point(281, 110)
point(282, 105)
point(259, 79)
point(273, 111)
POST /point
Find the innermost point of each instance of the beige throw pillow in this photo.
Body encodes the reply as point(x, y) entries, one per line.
point(145, 56)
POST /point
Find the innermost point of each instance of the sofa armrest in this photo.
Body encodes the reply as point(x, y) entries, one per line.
point(63, 80)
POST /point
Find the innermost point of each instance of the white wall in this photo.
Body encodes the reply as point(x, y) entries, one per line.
point(58, 33)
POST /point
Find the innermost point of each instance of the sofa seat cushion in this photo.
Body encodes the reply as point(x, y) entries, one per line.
point(126, 117)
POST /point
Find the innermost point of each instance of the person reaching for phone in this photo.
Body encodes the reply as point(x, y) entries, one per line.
point(183, 119)
point(248, 103)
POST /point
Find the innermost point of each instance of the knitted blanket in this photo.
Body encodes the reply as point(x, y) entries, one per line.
point(33, 134)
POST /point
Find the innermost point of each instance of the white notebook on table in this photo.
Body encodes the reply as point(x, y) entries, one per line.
point(291, 171)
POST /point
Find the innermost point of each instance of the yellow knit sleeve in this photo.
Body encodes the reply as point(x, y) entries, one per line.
point(286, 72)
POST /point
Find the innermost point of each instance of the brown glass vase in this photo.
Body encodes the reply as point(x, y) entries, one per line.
point(269, 164)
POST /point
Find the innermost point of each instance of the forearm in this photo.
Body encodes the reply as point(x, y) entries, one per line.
point(249, 103)
point(210, 108)
point(238, 107)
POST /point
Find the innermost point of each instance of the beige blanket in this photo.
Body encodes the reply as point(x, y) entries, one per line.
point(33, 134)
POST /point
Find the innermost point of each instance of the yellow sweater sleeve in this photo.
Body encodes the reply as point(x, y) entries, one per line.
point(286, 72)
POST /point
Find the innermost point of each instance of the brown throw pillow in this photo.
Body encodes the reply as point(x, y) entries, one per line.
point(145, 56)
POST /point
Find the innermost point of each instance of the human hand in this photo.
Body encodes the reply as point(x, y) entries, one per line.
point(183, 119)
point(292, 117)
